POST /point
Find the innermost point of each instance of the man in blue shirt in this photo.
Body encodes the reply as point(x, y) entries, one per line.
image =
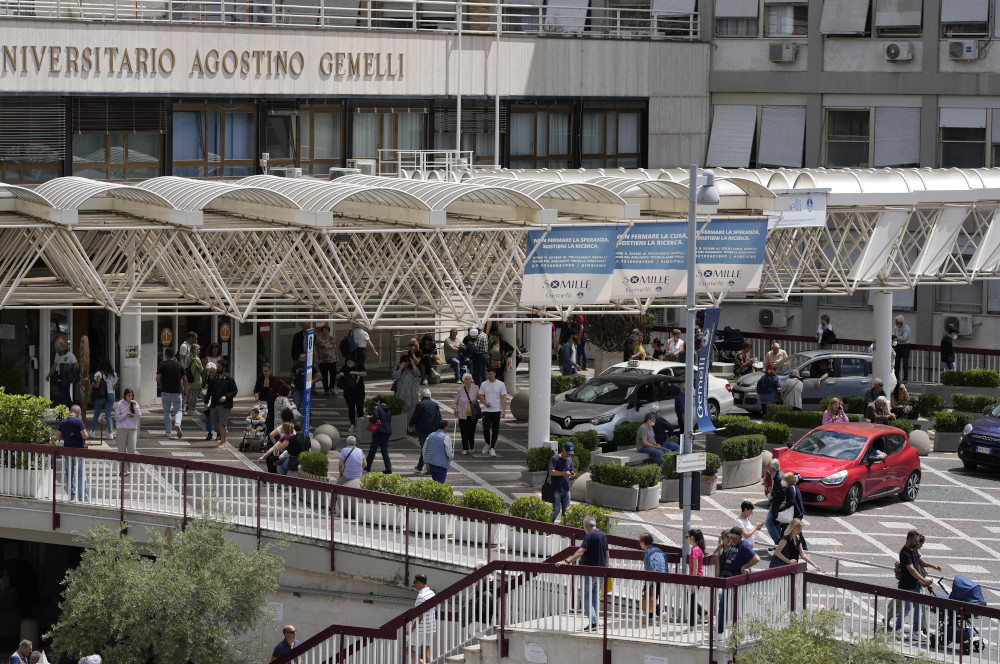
point(593, 551)
point(740, 557)
point(439, 450)
point(653, 560)
point(287, 644)
point(73, 433)
point(350, 463)
point(663, 430)
point(424, 421)
point(560, 470)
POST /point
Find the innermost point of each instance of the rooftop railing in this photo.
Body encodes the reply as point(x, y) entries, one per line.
point(563, 18)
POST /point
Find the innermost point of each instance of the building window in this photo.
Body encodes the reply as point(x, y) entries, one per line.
point(965, 18)
point(32, 139)
point(963, 147)
point(959, 298)
point(322, 131)
point(856, 300)
point(214, 141)
point(388, 129)
point(118, 156)
point(478, 130)
point(786, 20)
point(540, 138)
point(611, 138)
point(898, 18)
point(736, 27)
point(847, 137)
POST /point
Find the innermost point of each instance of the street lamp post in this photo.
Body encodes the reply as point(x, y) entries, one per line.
point(708, 196)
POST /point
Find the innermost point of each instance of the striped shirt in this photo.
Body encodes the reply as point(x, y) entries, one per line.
point(428, 623)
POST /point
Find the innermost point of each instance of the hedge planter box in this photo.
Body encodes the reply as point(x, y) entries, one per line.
point(947, 390)
point(398, 427)
point(713, 443)
point(745, 472)
point(613, 497)
point(649, 498)
point(530, 543)
point(475, 532)
point(947, 441)
point(26, 482)
point(536, 478)
point(670, 490)
point(708, 485)
point(378, 515)
point(432, 524)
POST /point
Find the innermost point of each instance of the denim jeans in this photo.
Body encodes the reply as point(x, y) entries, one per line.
point(774, 529)
point(655, 453)
point(104, 404)
point(588, 587)
point(458, 365)
point(949, 366)
point(171, 400)
point(208, 421)
point(422, 437)
point(298, 396)
point(76, 479)
point(560, 503)
point(904, 607)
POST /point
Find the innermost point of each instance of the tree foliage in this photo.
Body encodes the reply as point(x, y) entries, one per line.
point(192, 595)
point(609, 331)
point(810, 637)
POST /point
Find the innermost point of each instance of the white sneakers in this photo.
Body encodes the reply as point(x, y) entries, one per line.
point(493, 452)
point(351, 430)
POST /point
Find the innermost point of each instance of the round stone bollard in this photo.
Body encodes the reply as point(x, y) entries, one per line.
point(329, 430)
point(921, 441)
point(520, 404)
point(325, 442)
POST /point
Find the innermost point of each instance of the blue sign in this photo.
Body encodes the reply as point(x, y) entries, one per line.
point(711, 324)
point(651, 261)
point(569, 266)
point(307, 393)
point(730, 254)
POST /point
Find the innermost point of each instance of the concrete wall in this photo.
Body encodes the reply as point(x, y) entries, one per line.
point(580, 649)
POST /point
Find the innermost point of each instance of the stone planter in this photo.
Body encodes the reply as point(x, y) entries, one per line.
point(670, 490)
point(519, 405)
point(533, 478)
point(745, 472)
point(602, 359)
point(398, 428)
point(26, 482)
point(529, 543)
point(649, 498)
point(708, 485)
point(578, 488)
point(921, 442)
point(713, 443)
point(431, 524)
point(377, 515)
point(947, 441)
point(613, 497)
point(475, 532)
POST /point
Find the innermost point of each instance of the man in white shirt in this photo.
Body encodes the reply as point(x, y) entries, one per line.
point(65, 368)
point(426, 625)
point(675, 347)
point(775, 355)
point(493, 396)
point(184, 353)
point(743, 522)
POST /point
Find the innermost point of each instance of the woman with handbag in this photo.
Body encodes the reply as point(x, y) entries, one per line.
point(499, 353)
point(380, 426)
point(468, 411)
point(351, 379)
point(790, 549)
point(792, 507)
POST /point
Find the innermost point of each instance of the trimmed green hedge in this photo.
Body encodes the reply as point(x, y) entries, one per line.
point(392, 484)
point(771, 410)
point(712, 465)
point(971, 378)
point(929, 403)
point(395, 404)
point(738, 448)
point(625, 435)
point(905, 425)
point(531, 507)
point(648, 475)
point(739, 425)
point(314, 463)
point(574, 516)
point(537, 459)
point(588, 439)
point(581, 453)
point(427, 489)
point(484, 499)
point(800, 419)
point(611, 474)
point(854, 405)
point(562, 384)
point(973, 403)
point(951, 422)
point(777, 434)
point(668, 466)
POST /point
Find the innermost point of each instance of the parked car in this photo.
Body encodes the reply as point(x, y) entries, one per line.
point(847, 374)
point(841, 465)
point(720, 391)
point(604, 402)
point(980, 444)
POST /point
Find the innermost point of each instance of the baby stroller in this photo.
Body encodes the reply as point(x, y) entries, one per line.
point(730, 344)
point(255, 434)
point(953, 628)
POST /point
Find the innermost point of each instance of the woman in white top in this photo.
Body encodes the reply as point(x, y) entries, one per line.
point(104, 397)
point(824, 325)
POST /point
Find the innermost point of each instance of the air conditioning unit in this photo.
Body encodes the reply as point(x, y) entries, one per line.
point(899, 51)
point(285, 171)
point(782, 51)
point(960, 322)
point(963, 49)
point(337, 172)
point(667, 317)
point(365, 166)
point(772, 317)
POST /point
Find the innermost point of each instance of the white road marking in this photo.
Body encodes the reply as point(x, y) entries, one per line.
point(187, 454)
point(935, 546)
point(897, 525)
point(826, 541)
point(174, 442)
point(967, 569)
point(959, 535)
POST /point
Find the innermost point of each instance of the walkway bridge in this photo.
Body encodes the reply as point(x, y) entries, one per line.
point(519, 597)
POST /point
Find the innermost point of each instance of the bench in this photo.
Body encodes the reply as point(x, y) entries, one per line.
point(621, 458)
point(722, 369)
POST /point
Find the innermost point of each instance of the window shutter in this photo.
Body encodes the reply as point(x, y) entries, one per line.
point(974, 118)
point(965, 11)
point(736, 9)
point(673, 6)
point(110, 115)
point(782, 135)
point(732, 136)
point(897, 136)
point(898, 13)
point(32, 129)
point(844, 17)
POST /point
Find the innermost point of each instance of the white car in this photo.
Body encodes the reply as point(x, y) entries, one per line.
point(720, 392)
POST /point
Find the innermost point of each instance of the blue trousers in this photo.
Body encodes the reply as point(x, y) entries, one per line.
point(171, 400)
point(438, 473)
point(76, 479)
point(560, 503)
point(774, 529)
point(589, 585)
point(655, 453)
point(906, 607)
point(105, 405)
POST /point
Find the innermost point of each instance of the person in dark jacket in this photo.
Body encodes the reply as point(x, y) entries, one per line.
point(380, 439)
point(948, 348)
point(767, 388)
point(424, 421)
point(219, 398)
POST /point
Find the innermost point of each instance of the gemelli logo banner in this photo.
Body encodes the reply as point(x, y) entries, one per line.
point(730, 254)
point(569, 266)
point(651, 261)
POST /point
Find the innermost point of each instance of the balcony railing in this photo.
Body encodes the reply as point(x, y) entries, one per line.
point(570, 18)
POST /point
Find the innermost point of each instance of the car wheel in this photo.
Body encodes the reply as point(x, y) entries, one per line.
point(911, 488)
point(970, 465)
point(713, 409)
point(852, 500)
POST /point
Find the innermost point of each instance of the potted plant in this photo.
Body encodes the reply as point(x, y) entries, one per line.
point(474, 531)
point(395, 405)
point(799, 422)
point(741, 460)
point(727, 426)
point(314, 466)
point(948, 429)
point(613, 486)
point(22, 421)
point(381, 514)
point(529, 542)
point(648, 476)
point(574, 516)
point(433, 524)
point(708, 478)
point(670, 487)
point(537, 460)
point(624, 437)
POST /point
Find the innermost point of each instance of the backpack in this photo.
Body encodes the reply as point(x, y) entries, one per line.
point(898, 571)
point(188, 373)
point(828, 338)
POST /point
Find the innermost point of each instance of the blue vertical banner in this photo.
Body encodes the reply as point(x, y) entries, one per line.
point(711, 324)
point(569, 266)
point(307, 391)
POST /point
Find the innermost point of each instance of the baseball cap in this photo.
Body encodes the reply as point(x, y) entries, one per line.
point(568, 446)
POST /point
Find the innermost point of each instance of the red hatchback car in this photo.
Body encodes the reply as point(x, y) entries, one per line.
point(841, 465)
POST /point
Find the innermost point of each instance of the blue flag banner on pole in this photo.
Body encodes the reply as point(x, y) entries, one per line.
point(569, 266)
point(651, 261)
point(307, 392)
point(704, 368)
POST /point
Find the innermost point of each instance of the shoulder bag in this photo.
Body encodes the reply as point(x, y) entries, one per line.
point(376, 425)
point(786, 515)
point(548, 491)
point(472, 410)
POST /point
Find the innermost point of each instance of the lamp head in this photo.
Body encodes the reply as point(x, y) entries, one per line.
point(708, 195)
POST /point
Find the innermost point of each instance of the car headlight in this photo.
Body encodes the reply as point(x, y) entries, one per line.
point(967, 430)
point(835, 479)
point(602, 419)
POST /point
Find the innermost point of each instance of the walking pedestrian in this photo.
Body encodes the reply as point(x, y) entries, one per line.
point(593, 552)
point(493, 397)
point(948, 348)
point(103, 386)
point(73, 433)
point(789, 549)
point(195, 372)
point(298, 343)
point(66, 369)
point(288, 642)
point(423, 631)
point(439, 450)
point(653, 560)
point(405, 377)
point(173, 388)
point(740, 558)
point(351, 379)
point(424, 420)
point(210, 370)
point(910, 578)
point(214, 354)
point(645, 440)
point(221, 394)
point(747, 529)
point(791, 390)
point(768, 388)
point(466, 397)
point(481, 355)
point(776, 493)
point(351, 463)
point(902, 364)
point(825, 335)
point(326, 358)
point(381, 415)
point(696, 567)
point(186, 351)
point(569, 363)
point(560, 471)
point(127, 416)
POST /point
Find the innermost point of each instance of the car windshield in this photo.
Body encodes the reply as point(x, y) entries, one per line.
point(792, 362)
point(996, 411)
point(832, 444)
point(602, 391)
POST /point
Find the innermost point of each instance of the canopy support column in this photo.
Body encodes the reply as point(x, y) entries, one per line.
point(508, 332)
point(882, 334)
point(128, 367)
point(540, 382)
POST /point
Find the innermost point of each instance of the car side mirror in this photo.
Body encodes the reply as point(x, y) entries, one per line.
point(804, 374)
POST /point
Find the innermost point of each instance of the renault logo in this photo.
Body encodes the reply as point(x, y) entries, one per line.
point(567, 423)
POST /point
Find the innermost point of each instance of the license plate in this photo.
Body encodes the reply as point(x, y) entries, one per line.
point(984, 450)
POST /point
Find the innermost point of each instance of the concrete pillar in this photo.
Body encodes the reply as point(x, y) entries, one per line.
point(44, 352)
point(128, 365)
point(882, 334)
point(540, 382)
point(508, 333)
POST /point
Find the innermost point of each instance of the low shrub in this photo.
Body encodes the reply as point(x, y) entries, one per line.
point(981, 378)
point(625, 435)
point(929, 403)
point(855, 418)
point(951, 377)
point(951, 422)
point(647, 475)
point(538, 458)
point(22, 419)
point(777, 434)
point(611, 474)
point(668, 466)
point(725, 420)
point(562, 384)
point(739, 426)
point(531, 507)
point(973, 403)
point(712, 465)
point(854, 405)
point(392, 484)
point(743, 447)
point(772, 409)
point(905, 425)
point(988, 410)
point(587, 439)
point(314, 463)
point(485, 500)
point(395, 404)
point(581, 454)
point(427, 489)
point(800, 419)
point(574, 516)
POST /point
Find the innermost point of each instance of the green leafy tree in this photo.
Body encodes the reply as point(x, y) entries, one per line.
point(190, 594)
